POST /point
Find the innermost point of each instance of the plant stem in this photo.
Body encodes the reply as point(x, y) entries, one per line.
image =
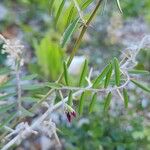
point(76, 46)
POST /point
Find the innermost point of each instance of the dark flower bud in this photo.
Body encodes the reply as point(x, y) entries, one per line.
point(68, 116)
point(73, 113)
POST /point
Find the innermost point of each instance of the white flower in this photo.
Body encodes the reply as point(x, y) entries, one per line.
point(14, 50)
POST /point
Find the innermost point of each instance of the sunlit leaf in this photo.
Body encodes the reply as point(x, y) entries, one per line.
point(69, 19)
point(59, 12)
point(119, 6)
point(86, 4)
point(51, 5)
point(68, 32)
point(92, 102)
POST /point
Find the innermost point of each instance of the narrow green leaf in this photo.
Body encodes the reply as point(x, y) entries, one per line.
point(66, 73)
point(8, 119)
point(145, 88)
point(4, 109)
point(30, 99)
point(51, 5)
point(30, 77)
point(81, 103)
point(33, 87)
point(117, 71)
point(68, 32)
point(5, 71)
point(126, 98)
point(70, 99)
point(4, 97)
point(86, 4)
point(108, 76)
point(54, 85)
point(7, 85)
point(59, 11)
point(134, 71)
point(26, 113)
point(101, 76)
point(107, 101)
point(92, 102)
point(119, 6)
point(83, 73)
point(69, 19)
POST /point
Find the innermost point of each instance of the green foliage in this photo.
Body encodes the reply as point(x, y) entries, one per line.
point(142, 86)
point(108, 76)
point(66, 73)
point(93, 101)
point(131, 8)
point(49, 57)
point(101, 76)
point(100, 130)
point(142, 72)
point(118, 4)
point(83, 73)
point(70, 99)
point(81, 103)
point(107, 101)
point(68, 32)
point(106, 132)
point(117, 71)
point(59, 11)
point(126, 98)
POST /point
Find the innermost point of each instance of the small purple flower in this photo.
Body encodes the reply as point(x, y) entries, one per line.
point(68, 116)
point(73, 113)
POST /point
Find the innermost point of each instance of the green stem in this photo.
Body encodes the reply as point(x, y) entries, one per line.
point(76, 46)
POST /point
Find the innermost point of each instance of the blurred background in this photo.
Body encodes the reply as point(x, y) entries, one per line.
point(110, 33)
